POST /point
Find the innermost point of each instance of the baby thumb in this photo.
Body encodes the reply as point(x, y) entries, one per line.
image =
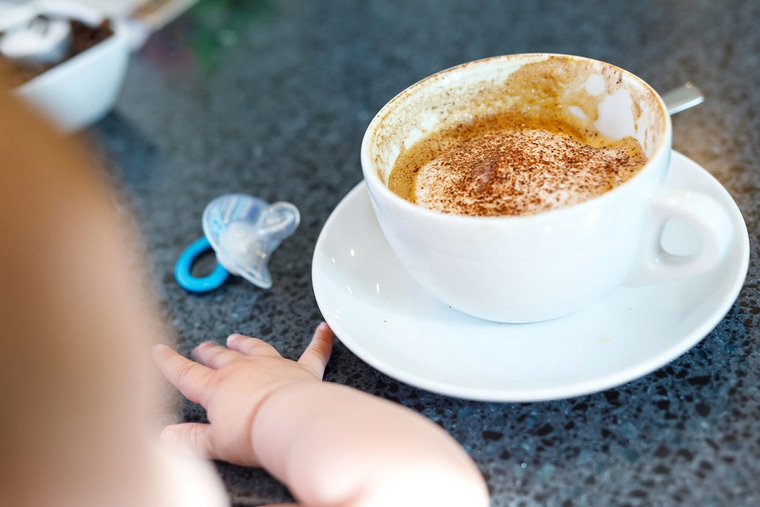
point(191, 438)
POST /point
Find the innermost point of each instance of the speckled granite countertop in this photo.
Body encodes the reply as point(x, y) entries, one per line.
point(272, 98)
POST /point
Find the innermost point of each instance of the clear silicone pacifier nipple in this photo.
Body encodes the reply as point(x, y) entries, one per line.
point(243, 232)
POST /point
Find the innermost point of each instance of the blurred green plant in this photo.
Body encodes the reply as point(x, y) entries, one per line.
point(217, 26)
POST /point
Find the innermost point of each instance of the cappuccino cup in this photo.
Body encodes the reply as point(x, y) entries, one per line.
point(526, 187)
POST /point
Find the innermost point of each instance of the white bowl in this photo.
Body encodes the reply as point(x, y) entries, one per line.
point(80, 91)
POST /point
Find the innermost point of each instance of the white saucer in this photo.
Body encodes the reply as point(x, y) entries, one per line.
point(389, 321)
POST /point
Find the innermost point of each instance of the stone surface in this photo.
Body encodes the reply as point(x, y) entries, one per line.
point(273, 98)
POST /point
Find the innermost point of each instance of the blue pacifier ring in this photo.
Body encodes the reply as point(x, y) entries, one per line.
point(185, 264)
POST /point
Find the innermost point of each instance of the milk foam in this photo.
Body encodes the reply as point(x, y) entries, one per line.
point(521, 172)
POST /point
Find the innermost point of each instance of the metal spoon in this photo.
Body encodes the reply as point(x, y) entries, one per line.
point(683, 97)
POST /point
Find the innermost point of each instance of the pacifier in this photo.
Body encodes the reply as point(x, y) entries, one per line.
point(243, 231)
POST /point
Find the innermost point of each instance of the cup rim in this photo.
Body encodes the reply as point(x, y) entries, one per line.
point(374, 182)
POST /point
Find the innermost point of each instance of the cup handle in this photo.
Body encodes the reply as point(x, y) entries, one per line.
point(708, 220)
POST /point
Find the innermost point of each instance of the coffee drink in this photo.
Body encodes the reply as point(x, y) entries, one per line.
point(484, 169)
point(529, 158)
point(517, 141)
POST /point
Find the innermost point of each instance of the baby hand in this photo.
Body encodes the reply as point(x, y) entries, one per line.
point(231, 383)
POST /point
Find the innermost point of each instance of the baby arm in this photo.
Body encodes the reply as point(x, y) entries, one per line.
point(76, 325)
point(330, 444)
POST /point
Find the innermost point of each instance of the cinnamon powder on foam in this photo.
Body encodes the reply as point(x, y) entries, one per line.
point(522, 172)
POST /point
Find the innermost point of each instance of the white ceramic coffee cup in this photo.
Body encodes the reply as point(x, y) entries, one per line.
point(529, 268)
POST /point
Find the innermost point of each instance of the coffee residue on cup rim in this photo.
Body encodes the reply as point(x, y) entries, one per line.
point(541, 96)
